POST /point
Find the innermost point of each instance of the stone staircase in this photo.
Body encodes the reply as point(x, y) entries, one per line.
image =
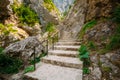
point(62, 63)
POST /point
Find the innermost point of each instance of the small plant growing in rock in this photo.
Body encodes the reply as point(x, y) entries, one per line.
point(25, 14)
point(50, 6)
point(91, 45)
point(87, 26)
point(6, 29)
point(29, 69)
point(84, 56)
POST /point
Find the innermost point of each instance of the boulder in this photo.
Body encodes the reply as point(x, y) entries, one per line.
point(24, 49)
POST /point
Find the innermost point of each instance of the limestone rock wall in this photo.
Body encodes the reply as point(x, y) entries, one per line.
point(85, 10)
point(44, 15)
point(99, 8)
point(5, 11)
point(74, 20)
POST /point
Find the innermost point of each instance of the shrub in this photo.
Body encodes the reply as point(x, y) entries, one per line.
point(1, 50)
point(50, 27)
point(84, 56)
point(6, 29)
point(25, 14)
point(9, 65)
point(86, 71)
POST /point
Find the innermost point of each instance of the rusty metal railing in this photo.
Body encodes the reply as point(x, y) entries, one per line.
point(46, 41)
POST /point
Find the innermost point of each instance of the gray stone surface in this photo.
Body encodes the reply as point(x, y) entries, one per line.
point(66, 47)
point(52, 72)
point(64, 53)
point(58, 67)
point(63, 61)
point(24, 49)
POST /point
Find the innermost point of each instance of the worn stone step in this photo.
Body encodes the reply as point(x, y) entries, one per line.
point(68, 43)
point(63, 61)
point(63, 47)
point(70, 40)
point(52, 72)
point(63, 53)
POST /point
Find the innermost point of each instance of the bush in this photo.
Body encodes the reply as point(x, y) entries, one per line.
point(86, 71)
point(84, 56)
point(25, 14)
point(1, 50)
point(9, 65)
point(50, 27)
point(6, 29)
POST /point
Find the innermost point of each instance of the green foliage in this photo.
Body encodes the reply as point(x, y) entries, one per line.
point(37, 59)
point(65, 13)
point(115, 40)
point(116, 14)
point(106, 69)
point(50, 27)
point(9, 65)
point(83, 50)
point(6, 29)
point(1, 50)
point(91, 45)
point(86, 71)
point(87, 26)
point(25, 14)
point(103, 51)
point(29, 69)
point(50, 6)
point(84, 56)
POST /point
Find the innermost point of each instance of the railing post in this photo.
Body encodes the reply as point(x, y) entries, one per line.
point(34, 60)
point(47, 47)
point(53, 43)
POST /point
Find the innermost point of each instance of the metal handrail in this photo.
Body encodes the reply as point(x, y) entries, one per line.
point(47, 44)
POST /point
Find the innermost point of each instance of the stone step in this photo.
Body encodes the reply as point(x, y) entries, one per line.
point(68, 43)
point(63, 47)
point(63, 61)
point(69, 40)
point(52, 72)
point(63, 53)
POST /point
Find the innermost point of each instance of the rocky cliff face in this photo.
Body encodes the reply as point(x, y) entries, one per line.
point(103, 66)
point(98, 9)
point(87, 10)
point(4, 10)
point(44, 15)
point(74, 20)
